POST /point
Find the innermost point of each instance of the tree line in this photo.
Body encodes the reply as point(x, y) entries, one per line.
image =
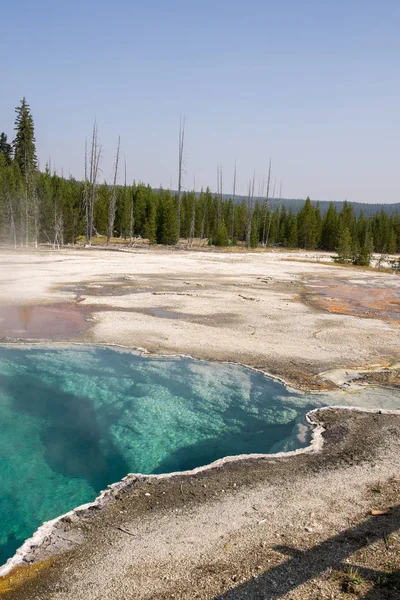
point(39, 206)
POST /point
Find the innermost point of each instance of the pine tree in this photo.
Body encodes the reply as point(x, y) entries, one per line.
point(307, 226)
point(272, 228)
point(292, 238)
point(329, 233)
point(25, 157)
point(362, 254)
point(318, 225)
point(347, 219)
point(255, 230)
point(24, 142)
point(150, 228)
point(169, 226)
point(282, 237)
point(221, 238)
point(392, 242)
point(345, 246)
point(5, 149)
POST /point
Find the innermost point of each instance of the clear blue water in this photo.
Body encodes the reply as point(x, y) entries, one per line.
point(76, 419)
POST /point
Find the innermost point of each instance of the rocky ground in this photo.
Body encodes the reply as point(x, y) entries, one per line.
point(298, 526)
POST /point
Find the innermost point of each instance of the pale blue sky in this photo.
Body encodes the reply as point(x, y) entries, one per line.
point(314, 84)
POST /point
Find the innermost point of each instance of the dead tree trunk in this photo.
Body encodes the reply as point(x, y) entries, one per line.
point(220, 197)
point(193, 219)
point(265, 205)
point(55, 240)
point(26, 202)
point(219, 194)
point(233, 204)
point(86, 201)
point(270, 217)
point(113, 201)
point(203, 206)
point(35, 216)
point(125, 199)
point(131, 219)
point(250, 209)
point(94, 170)
point(180, 169)
point(13, 233)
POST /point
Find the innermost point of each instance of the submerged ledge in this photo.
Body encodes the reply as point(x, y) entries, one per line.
point(47, 542)
point(339, 378)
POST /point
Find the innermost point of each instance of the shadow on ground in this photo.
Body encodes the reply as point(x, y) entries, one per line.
point(333, 554)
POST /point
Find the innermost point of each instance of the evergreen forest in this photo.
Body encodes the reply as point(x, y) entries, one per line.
point(41, 207)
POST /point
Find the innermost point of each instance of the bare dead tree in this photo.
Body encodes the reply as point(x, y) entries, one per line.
point(58, 232)
point(219, 194)
point(58, 240)
point(113, 201)
point(95, 155)
point(20, 212)
point(132, 214)
point(270, 216)
point(233, 203)
point(260, 188)
point(11, 220)
point(280, 202)
point(61, 230)
point(35, 215)
point(55, 226)
point(180, 169)
point(204, 212)
point(86, 195)
point(250, 209)
point(193, 219)
point(125, 199)
point(92, 165)
point(26, 201)
point(265, 205)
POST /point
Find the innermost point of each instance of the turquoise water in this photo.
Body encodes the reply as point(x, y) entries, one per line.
point(74, 420)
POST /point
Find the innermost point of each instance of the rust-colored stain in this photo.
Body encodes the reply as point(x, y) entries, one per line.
point(365, 300)
point(54, 321)
point(22, 574)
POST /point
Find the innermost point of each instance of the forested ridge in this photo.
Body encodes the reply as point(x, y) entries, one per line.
point(38, 206)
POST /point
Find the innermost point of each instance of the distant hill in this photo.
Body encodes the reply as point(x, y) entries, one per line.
point(297, 204)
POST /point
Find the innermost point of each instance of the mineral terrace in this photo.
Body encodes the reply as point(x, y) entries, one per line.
point(279, 527)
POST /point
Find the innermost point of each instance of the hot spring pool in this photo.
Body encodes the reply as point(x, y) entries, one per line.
point(76, 419)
